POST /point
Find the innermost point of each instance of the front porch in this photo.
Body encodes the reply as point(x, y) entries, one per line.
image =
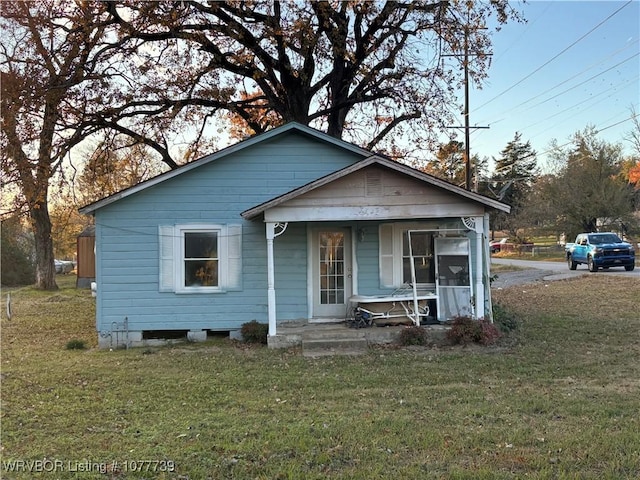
point(322, 339)
point(364, 233)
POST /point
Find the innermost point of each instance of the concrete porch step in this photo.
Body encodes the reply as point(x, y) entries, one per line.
point(334, 339)
point(319, 347)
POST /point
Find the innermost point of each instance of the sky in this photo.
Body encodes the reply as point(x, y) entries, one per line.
point(573, 64)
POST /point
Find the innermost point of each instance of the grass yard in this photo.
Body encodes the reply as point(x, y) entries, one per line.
point(558, 401)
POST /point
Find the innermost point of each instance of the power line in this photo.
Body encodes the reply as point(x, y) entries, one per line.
point(591, 98)
point(529, 25)
point(616, 124)
point(567, 80)
point(598, 130)
point(554, 57)
point(583, 82)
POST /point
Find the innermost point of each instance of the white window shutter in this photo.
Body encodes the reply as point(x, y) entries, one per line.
point(166, 249)
point(386, 255)
point(234, 257)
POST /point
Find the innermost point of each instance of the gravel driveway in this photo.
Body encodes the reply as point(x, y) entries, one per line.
point(535, 271)
point(520, 277)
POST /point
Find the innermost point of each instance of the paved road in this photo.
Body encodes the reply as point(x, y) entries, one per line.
point(547, 271)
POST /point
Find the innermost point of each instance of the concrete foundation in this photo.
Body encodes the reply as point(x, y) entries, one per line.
point(128, 339)
point(317, 336)
point(119, 339)
point(197, 336)
point(235, 335)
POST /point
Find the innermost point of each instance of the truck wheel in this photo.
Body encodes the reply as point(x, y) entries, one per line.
point(592, 265)
point(571, 263)
point(629, 268)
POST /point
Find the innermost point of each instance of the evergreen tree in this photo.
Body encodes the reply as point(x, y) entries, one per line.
point(515, 174)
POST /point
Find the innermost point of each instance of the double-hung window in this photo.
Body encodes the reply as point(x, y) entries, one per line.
point(395, 258)
point(200, 258)
point(422, 252)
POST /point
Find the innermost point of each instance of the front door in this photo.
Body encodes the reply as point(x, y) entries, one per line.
point(332, 272)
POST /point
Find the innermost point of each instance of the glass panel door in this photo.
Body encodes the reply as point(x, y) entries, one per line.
point(331, 267)
point(332, 272)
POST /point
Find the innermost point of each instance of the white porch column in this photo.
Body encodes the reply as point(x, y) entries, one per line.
point(481, 268)
point(271, 289)
point(488, 308)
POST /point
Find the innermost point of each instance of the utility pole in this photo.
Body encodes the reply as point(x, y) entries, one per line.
point(467, 127)
point(467, 148)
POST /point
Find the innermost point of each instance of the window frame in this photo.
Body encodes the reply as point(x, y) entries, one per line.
point(181, 258)
point(171, 258)
point(430, 255)
point(394, 257)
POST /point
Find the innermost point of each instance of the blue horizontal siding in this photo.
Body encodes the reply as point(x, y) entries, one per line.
point(142, 262)
point(127, 256)
point(290, 252)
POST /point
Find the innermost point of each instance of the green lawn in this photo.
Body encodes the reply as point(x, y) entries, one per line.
point(559, 401)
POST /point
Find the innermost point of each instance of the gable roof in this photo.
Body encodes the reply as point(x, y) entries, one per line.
point(289, 127)
point(384, 162)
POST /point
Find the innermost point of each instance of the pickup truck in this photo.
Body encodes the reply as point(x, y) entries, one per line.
point(600, 250)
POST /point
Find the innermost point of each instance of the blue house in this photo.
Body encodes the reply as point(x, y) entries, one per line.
point(290, 225)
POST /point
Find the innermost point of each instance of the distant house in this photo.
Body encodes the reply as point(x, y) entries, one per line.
point(287, 225)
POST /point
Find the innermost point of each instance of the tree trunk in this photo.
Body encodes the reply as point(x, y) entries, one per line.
point(590, 225)
point(45, 266)
point(336, 121)
point(338, 94)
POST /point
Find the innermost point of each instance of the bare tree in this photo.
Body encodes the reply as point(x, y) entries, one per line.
point(370, 72)
point(449, 163)
point(54, 59)
point(633, 162)
point(587, 189)
point(112, 165)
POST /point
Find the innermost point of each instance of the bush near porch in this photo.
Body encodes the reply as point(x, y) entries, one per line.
point(559, 402)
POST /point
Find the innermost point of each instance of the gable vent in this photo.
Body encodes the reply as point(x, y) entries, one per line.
point(373, 187)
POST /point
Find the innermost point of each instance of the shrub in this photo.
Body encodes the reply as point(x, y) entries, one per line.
point(255, 332)
point(465, 330)
point(17, 253)
point(505, 320)
point(76, 345)
point(489, 333)
point(413, 335)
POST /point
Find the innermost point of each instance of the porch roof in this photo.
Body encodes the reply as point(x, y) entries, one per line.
point(307, 204)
